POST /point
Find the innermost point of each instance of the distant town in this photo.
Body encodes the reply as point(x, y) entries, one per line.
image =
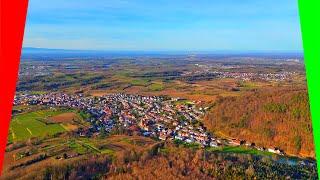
point(200, 71)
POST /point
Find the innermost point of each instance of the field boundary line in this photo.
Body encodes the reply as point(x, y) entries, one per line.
point(29, 131)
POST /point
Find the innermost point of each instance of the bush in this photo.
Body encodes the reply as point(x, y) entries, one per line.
point(275, 107)
point(297, 142)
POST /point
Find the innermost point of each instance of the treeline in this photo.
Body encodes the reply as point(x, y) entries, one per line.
point(167, 161)
point(270, 117)
point(175, 162)
point(199, 77)
point(45, 83)
point(159, 74)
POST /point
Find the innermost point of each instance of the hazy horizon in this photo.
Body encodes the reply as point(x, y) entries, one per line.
point(42, 49)
point(164, 25)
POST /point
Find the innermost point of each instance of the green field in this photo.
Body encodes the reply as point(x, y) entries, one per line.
point(239, 149)
point(183, 102)
point(27, 125)
point(156, 87)
point(140, 82)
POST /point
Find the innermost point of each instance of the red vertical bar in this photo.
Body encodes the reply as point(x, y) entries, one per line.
point(13, 16)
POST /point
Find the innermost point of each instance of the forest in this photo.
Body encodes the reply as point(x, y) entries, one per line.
point(270, 117)
point(167, 161)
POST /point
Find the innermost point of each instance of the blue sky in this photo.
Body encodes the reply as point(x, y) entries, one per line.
point(178, 25)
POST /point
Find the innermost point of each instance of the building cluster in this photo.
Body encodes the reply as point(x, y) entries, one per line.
point(27, 70)
point(150, 116)
point(245, 76)
point(229, 72)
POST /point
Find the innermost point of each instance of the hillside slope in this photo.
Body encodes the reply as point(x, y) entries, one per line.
point(269, 117)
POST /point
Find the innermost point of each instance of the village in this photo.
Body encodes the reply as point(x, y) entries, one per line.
point(157, 117)
point(222, 72)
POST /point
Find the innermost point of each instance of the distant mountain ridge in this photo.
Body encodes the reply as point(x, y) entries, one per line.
point(48, 50)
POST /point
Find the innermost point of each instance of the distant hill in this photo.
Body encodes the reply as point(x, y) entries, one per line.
point(31, 52)
point(47, 51)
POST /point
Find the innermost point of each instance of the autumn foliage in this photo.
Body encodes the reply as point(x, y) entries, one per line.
point(269, 117)
point(167, 161)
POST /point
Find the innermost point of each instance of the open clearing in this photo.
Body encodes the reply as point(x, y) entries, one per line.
point(25, 126)
point(75, 147)
point(118, 143)
point(64, 117)
point(239, 149)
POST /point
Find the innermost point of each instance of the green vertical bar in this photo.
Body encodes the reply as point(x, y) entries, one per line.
point(310, 25)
